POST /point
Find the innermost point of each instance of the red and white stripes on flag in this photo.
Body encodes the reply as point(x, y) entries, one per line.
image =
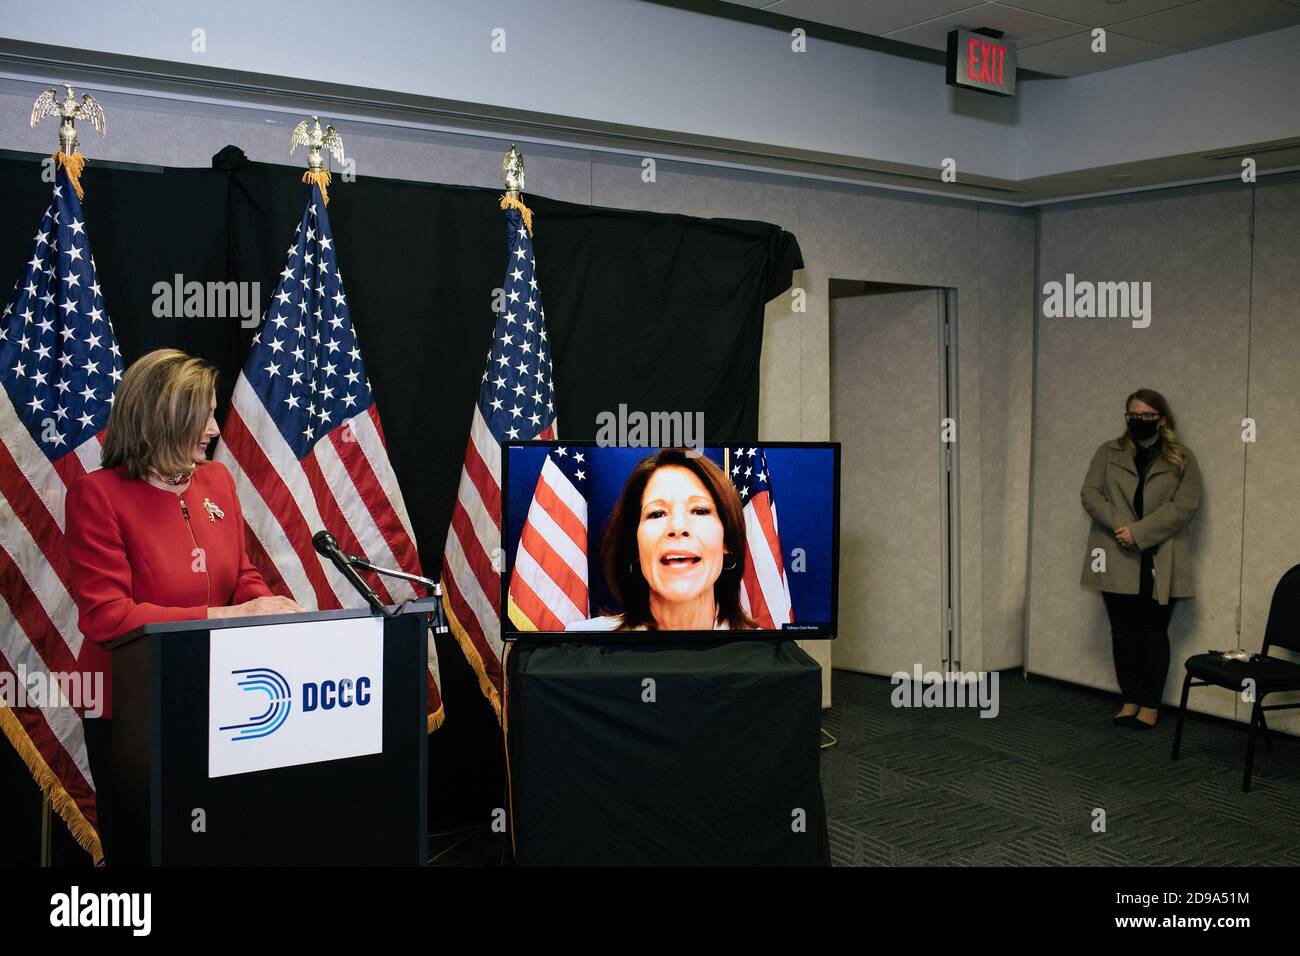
point(548, 584)
point(59, 368)
point(764, 589)
point(304, 443)
point(38, 621)
point(516, 402)
point(339, 486)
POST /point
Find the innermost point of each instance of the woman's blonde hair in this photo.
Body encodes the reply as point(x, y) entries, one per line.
point(159, 411)
point(1170, 448)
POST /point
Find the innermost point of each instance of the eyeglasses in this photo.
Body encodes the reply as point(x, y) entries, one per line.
point(1142, 416)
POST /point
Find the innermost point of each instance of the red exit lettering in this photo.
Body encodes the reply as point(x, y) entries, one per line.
point(990, 59)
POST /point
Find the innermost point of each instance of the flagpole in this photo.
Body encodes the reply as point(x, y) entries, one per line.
point(61, 790)
point(47, 831)
point(476, 623)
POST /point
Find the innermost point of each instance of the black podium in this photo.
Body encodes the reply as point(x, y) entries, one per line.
point(683, 754)
point(226, 736)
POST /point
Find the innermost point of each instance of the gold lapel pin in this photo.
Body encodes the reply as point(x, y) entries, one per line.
point(213, 511)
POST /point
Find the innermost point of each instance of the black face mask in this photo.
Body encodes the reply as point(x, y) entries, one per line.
point(1141, 430)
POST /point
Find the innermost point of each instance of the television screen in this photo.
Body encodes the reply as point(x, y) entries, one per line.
point(603, 541)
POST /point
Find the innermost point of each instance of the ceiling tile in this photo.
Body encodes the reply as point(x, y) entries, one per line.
point(876, 17)
point(1210, 21)
point(1073, 56)
point(1096, 13)
point(1019, 26)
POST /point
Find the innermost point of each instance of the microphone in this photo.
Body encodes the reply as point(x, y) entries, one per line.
point(328, 546)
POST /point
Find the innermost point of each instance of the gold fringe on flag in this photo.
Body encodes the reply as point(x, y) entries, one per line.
point(437, 717)
point(46, 779)
point(471, 654)
point(73, 164)
point(509, 202)
point(321, 178)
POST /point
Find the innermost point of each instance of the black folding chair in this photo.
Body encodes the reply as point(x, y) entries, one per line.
point(1270, 674)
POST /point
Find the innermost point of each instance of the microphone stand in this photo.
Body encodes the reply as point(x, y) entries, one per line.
point(438, 617)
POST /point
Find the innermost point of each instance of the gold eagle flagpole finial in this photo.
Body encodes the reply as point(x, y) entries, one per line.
point(309, 133)
point(512, 173)
point(68, 112)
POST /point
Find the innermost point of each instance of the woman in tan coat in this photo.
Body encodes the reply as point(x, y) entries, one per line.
point(1141, 491)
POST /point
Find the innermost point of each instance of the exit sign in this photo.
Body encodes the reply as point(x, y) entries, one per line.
point(980, 62)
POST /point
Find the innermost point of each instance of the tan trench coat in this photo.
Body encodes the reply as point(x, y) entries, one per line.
point(1169, 500)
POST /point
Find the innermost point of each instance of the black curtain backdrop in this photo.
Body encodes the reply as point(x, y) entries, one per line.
point(657, 312)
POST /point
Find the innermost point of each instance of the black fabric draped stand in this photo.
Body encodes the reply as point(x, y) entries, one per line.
point(673, 754)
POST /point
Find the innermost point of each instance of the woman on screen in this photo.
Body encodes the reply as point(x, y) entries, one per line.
point(673, 549)
point(1141, 491)
point(156, 534)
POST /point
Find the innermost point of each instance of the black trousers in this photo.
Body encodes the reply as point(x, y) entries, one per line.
point(99, 751)
point(1139, 630)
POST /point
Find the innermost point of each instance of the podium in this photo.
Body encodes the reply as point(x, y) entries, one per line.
point(294, 739)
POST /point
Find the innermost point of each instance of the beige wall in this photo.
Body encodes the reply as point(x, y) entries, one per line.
point(1006, 360)
point(1272, 499)
point(1221, 345)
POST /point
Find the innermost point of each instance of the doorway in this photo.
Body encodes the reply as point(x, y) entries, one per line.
point(894, 410)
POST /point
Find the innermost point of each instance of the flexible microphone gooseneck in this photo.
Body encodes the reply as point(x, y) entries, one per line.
point(437, 616)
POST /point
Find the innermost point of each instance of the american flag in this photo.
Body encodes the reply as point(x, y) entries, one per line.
point(60, 364)
point(764, 590)
point(516, 402)
point(548, 586)
point(304, 442)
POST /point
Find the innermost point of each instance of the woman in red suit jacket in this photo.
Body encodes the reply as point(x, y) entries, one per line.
point(156, 534)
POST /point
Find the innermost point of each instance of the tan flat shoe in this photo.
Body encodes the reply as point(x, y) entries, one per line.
point(1141, 724)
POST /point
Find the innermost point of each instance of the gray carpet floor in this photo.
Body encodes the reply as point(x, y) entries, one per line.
point(918, 787)
point(945, 787)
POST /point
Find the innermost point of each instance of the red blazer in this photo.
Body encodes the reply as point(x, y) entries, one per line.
point(135, 558)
